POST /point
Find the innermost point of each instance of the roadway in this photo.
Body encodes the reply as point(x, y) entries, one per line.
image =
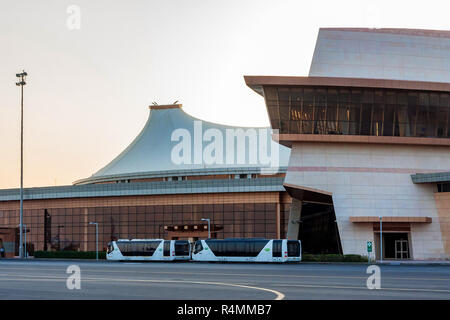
point(44, 279)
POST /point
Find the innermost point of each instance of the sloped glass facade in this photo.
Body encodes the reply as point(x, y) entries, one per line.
point(358, 111)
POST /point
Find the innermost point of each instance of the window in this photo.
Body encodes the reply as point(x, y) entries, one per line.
point(110, 247)
point(166, 252)
point(377, 112)
point(236, 248)
point(444, 187)
point(293, 248)
point(198, 246)
point(276, 250)
point(181, 248)
point(138, 248)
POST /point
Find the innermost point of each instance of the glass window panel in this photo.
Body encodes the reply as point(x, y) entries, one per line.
point(377, 119)
point(307, 118)
point(308, 95)
point(332, 119)
point(388, 124)
point(320, 120)
point(366, 117)
point(354, 118)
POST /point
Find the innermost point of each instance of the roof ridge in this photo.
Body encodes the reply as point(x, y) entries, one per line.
point(398, 31)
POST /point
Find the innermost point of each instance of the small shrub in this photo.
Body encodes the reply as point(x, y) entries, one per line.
point(307, 257)
point(69, 254)
point(354, 258)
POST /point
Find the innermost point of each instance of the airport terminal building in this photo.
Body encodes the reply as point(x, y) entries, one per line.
point(369, 132)
point(364, 145)
point(144, 193)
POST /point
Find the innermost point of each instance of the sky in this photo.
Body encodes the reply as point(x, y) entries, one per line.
point(89, 88)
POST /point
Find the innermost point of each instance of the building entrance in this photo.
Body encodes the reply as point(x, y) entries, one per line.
point(396, 246)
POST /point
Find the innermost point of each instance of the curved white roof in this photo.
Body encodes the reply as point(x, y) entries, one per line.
point(151, 151)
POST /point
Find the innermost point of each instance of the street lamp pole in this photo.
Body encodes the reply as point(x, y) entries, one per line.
point(96, 239)
point(25, 254)
point(209, 227)
point(381, 239)
point(21, 83)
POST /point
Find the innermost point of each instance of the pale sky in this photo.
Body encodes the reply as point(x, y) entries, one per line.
point(88, 90)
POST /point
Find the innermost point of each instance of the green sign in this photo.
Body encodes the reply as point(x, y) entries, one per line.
point(369, 246)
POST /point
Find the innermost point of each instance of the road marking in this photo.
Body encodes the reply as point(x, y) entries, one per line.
point(364, 288)
point(279, 295)
point(239, 274)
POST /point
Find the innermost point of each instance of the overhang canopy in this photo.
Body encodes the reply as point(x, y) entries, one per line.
point(308, 194)
point(257, 82)
point(371, 219)
point(437, 177)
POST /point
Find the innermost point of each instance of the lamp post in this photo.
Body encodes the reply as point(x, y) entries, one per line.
point(381, 239)
point(96, 239)
point(26, 253)
point(209, 226)
point(21, 83)
point(58, 236)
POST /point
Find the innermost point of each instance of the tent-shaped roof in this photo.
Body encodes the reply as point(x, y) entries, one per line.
point(150, 154)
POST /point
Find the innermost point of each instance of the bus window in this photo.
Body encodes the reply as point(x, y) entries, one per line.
point(258, 246)
point(293, 248)
point(149, 247)
point(276, 251)
point(236, 248)
point(198, 246)
point(166, 251)
point(110, 247)
point(181, 248)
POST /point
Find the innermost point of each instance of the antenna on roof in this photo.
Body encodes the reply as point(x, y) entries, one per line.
point(175, 102)
point(154, 103)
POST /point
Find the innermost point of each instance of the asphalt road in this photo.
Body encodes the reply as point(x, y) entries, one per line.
point(203, 281)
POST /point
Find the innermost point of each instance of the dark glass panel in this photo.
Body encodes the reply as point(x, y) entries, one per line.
point(388, 125)
point(293, 248)
point(308, 95)
point(354, 118)
point(296, 110)
point(138, 248)
point(276, 250)
point(284, 104)
point(166, 249)
point(284, 126)
point(236, 248)
point(320, 112)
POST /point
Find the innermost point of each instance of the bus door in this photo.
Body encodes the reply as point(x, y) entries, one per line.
point(166, 249)
point(293, 248)
point(182, 248)
point(277, 250)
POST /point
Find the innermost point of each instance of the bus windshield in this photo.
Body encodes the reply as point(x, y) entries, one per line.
point(198, 246)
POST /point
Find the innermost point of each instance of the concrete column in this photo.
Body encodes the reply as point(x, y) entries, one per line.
point(294, 219)
point(85, 220)
point(278, 235)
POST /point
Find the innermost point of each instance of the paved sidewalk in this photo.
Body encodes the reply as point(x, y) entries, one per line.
point(415, 262)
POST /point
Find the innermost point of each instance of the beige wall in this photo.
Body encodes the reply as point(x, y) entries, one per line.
point(443, 207)
point(374, 180)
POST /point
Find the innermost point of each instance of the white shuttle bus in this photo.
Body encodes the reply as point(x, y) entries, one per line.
point(247, 250)
point(148, 250)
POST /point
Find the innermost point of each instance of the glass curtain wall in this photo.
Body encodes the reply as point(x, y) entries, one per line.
point(69, 228)
point(358, 111)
